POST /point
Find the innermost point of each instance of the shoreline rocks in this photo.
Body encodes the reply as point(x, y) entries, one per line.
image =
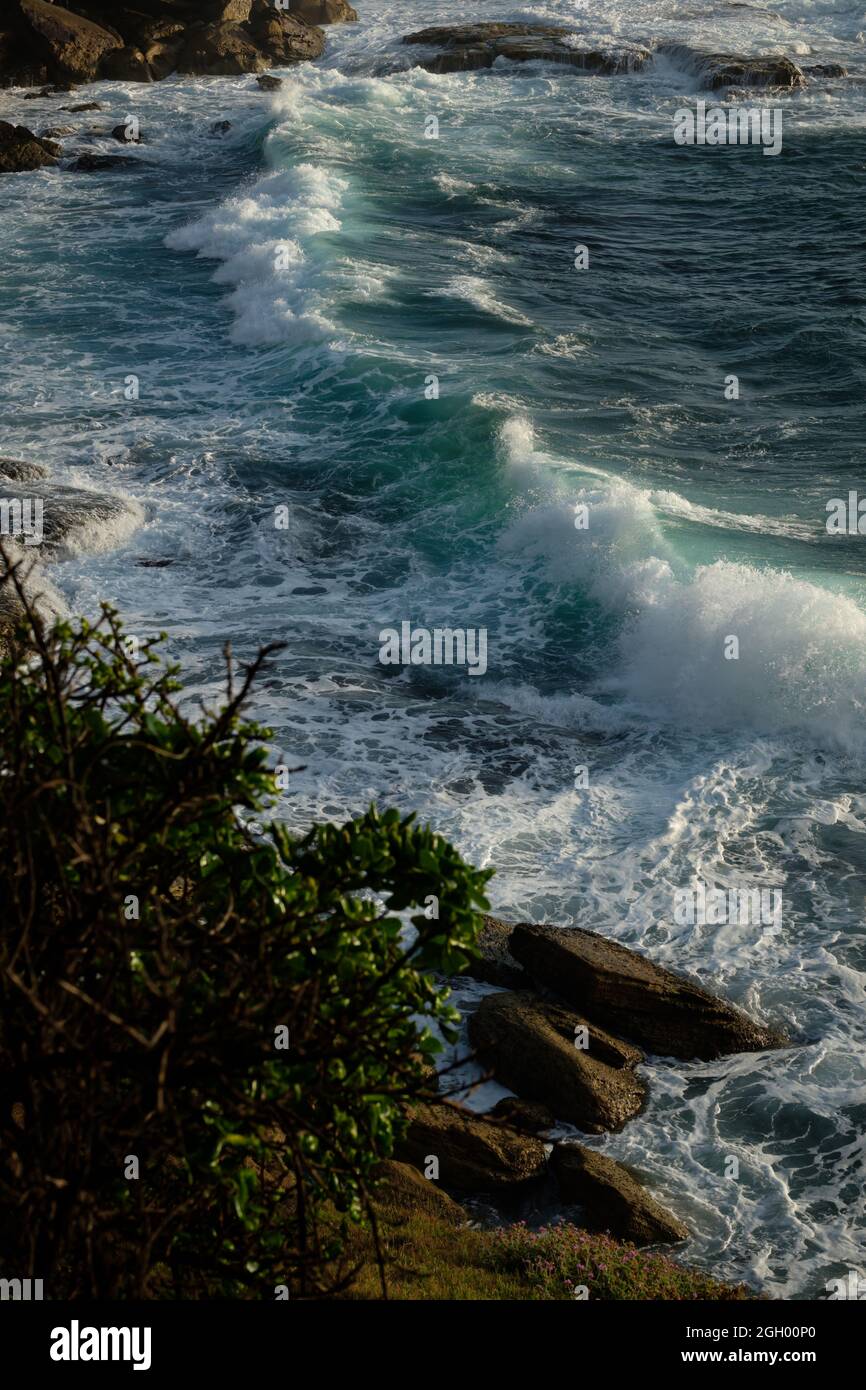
point(531, 1046)
point(662, 1011)
point(468, 47)
point(147, 40)
point(613, 1198)
point(21, 151)
point(474, 1155)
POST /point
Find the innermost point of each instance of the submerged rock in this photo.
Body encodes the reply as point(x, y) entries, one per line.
point(21, 151)
point(103, 163)
point(269, 83)
point(663, 1011)
point(474, 1155)
point(467, 47)
point(613, 1198)
point(531, 1046)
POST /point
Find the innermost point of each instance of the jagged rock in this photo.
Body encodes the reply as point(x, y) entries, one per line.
point(220, 50)
point(324, 11)
point(526, 1116)
point(474, 1155)
point(268, 83)
point(661, 1010)
point(496, 965)
point(716, 70)
point(74, 45)
point(126, 65)
point(21, 470)
point(612, 1197)
point(406, 1187)
point(21, 151)
point(471, 46)
point(530, 1044)
point(286, 40)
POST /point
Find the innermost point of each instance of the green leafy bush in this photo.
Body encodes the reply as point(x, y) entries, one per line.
point(153, 953)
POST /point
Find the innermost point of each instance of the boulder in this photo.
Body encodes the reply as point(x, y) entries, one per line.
point(530, 1044)
point(663, 1011)
point(474, 1155)
point(121, 134)
point(613, 1199)
point(227, 11)
point(268, 83)
point(526, 1116)
point(21, 151)
point(471, 46)
point(284, 39)
point(72, 46)
point(401, 1185)
point(496, 965)
point(826, 70)
point(323, 11)
point(220, 50)
point(126, 65)
point(162, 57)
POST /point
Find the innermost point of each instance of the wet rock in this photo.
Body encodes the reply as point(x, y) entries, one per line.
point(56, 132)
point(21, 151)
point(84, 106)
point(75, 46)
point(268, 83)
point(126, 65)
point(103, 163)
point(613, 1198)
point(474, 1155)
point(620, 989)
point(496, 965)
point(21, 470)
point(530, 1045)
point(468, 47)
point(826, 70)
point(715, 70)
point(220, 127)
point(122, 134)
point(404, 1186)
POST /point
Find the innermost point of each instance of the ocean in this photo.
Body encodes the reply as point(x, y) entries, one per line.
point(432, 389)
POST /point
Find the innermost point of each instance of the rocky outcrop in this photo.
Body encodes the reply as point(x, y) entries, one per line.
point(474, 1155)
point(21, 151)
point(663, 1011)
point(466, 47)
point(532, 1047)
point(146, 40)
point(612, 1197)
point(715, 70)
point(71, 45)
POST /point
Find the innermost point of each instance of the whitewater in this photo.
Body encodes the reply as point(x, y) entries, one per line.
point(327, 311)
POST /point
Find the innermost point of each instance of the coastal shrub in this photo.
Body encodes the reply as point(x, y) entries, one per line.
point(208, 1031)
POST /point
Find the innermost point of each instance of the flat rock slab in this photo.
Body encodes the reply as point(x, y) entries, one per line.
point(474, 1155)
point(530, 1044)
point(613, 1198)
point(468, 47)
point(661, 1010)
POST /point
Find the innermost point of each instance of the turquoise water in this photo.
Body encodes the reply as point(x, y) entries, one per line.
point(406, 258)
